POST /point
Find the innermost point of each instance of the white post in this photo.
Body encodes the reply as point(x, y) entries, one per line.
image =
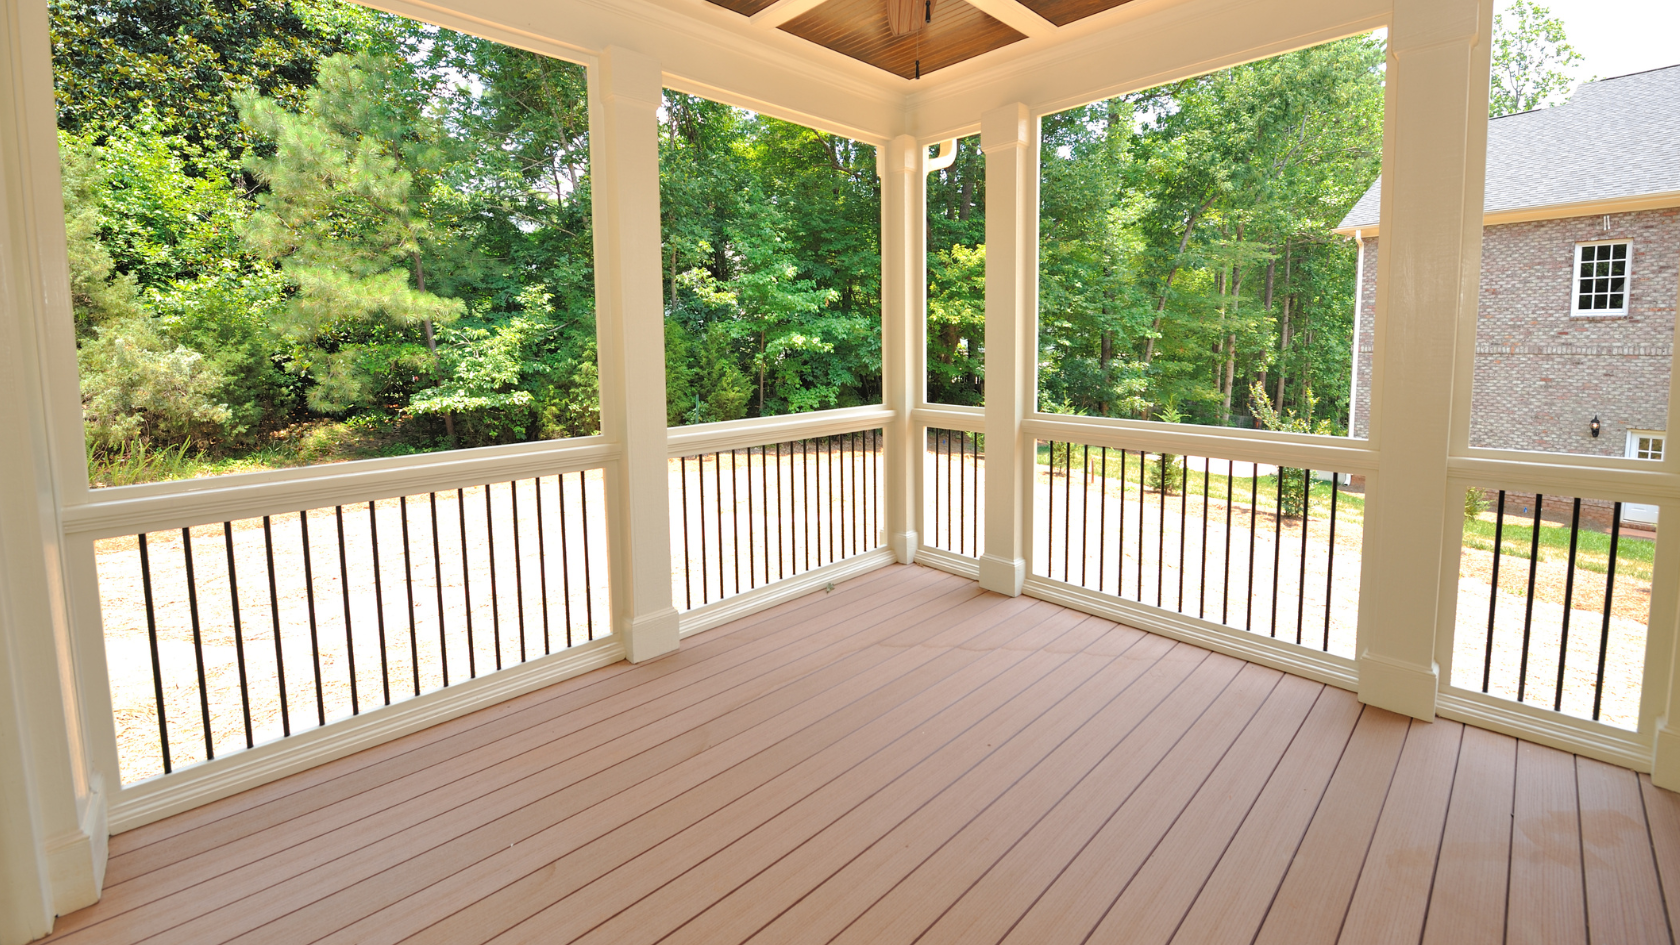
point(1009, 138)
point(1429, 270)
point(903, 333)
point(631, 333)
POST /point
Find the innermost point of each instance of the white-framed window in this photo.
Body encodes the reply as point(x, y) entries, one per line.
point(1646, 444)
point(1601, 277)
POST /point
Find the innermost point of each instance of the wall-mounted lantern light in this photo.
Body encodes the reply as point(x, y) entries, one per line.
point(1593, 426)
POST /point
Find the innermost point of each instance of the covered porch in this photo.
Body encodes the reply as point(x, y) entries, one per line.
point(904, 671)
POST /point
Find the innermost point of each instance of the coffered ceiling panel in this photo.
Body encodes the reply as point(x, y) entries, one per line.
point(1063, 12)
point(947, 32)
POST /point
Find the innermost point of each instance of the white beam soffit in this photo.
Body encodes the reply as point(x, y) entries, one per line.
point(707, 50)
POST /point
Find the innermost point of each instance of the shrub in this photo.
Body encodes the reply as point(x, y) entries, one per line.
point(137, 387)
point(1475, 503)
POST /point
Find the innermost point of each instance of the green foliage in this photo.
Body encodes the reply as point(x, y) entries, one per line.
point(138, 387)
point(1185, 244)
point(1475, 502)
point(1531, 56)
point(1292, 483)
point(349, 216)
point(98, 294)
point(1163, 473)
point(956, 325)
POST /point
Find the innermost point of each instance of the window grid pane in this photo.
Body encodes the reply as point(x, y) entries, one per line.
point(1602, 278)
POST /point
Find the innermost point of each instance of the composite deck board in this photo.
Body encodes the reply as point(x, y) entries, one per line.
point(1475, 859)
point(910, 759)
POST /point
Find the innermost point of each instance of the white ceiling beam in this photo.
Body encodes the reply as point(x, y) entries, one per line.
point(1017, 16)
point(782, 11)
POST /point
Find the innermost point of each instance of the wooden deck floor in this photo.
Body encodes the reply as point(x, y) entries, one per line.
point(909, 759)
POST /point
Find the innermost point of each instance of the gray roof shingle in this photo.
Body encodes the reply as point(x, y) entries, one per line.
point(1614, 138)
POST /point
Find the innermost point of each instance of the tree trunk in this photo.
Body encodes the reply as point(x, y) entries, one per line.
point(967, 202)
point(761, 373)
point(431, 339)
point(1161, 304)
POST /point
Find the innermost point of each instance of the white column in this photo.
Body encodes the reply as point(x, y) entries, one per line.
point(1429, 270)
point(903, 333)
point(52, 829)
point(631, 333)
point(1009, 138)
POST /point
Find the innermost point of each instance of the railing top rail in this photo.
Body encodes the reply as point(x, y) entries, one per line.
point(1261, 446)
point(229, 498)
point(1566, 478)
point(759, 431)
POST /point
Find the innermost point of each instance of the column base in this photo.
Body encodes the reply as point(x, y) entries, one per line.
point(903, 546)
point(1665, 759)
point(1003, 575)
point(651, 635)
point(1398, 687)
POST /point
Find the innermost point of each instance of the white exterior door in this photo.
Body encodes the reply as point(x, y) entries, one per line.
point(1643, 444)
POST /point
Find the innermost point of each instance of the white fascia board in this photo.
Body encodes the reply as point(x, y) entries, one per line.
point(1134, 46)
point(701, 48)
point(1557, 211)
point(782, 11)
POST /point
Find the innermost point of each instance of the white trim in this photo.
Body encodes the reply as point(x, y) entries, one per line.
point(1560, 211)
point(1261, 446)
point(1575, 277)
point(951, 417)
point(1297, 660)
point(761, 431)
point(1553, 729)
point(949, 562)
point(151, 800)
point(747, 603)
point(228, 498)
point(1015, 15)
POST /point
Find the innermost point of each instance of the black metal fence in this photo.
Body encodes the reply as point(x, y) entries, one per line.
point(1553, 604)
point(953, 491)
point(223, 636)
point(747, 517)
point(1259, 548)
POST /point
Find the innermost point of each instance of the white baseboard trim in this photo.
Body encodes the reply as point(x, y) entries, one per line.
point(161, 797)
point(1577, 736)
point(751, 602)
point(76, 858)
point(1320, 667)
point(960, 565)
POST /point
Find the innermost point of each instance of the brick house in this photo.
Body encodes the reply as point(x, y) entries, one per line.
point(1580, 256)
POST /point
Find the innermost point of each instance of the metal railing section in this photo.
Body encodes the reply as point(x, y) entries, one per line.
point(953, 491)
point(750, 516)
point(223, 636)
point(1553, 604)
point(1263, 549)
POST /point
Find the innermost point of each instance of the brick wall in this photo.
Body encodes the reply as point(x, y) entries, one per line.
point(1542, 374)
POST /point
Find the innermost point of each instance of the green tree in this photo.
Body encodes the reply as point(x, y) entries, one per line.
point(1531, 59)
point(353, 188)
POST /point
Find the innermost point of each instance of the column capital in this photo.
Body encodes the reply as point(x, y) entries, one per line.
point(630, 76)
point(1007, 126)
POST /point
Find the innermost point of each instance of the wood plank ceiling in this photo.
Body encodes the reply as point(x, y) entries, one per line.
point(956, 30)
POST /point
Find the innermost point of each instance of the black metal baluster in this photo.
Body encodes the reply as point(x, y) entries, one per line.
point(1201, 587)
point(805, 480)
point(950, 491)
point(1528, 610)
point(157, 664)
point(1067, 506)
point(314, 635)
point(688, 556)
point(466, 585)
point(518, 566)
point(1102, 523)
point(1183, 525)
point(408, 584)
point(1253, 530)
point(1277, 549)
point(835, 516)
point(717, 489)
point(437, 581)
point(1143, 517)
point(379, 606)
point(1330, 556)
point(700, 495)
point(1301, 584)
point(764, 490)
point(1225, 581)
point(566, 554)
point(1085, 516)
point(542, 563)
point(1609, 601)
point(1161, 536)
point(781, 526)
point(344, 596)
point(495, 595)
point(978, 551)
point(588, 582)
point(1568, 603)
point(1050, 510)
point(734, 511)
point(1120, 533)
point(852, 468)
point(752, 530)
point(238, 634)
point(962, 490)
point(274, 615)
point(198, 643)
